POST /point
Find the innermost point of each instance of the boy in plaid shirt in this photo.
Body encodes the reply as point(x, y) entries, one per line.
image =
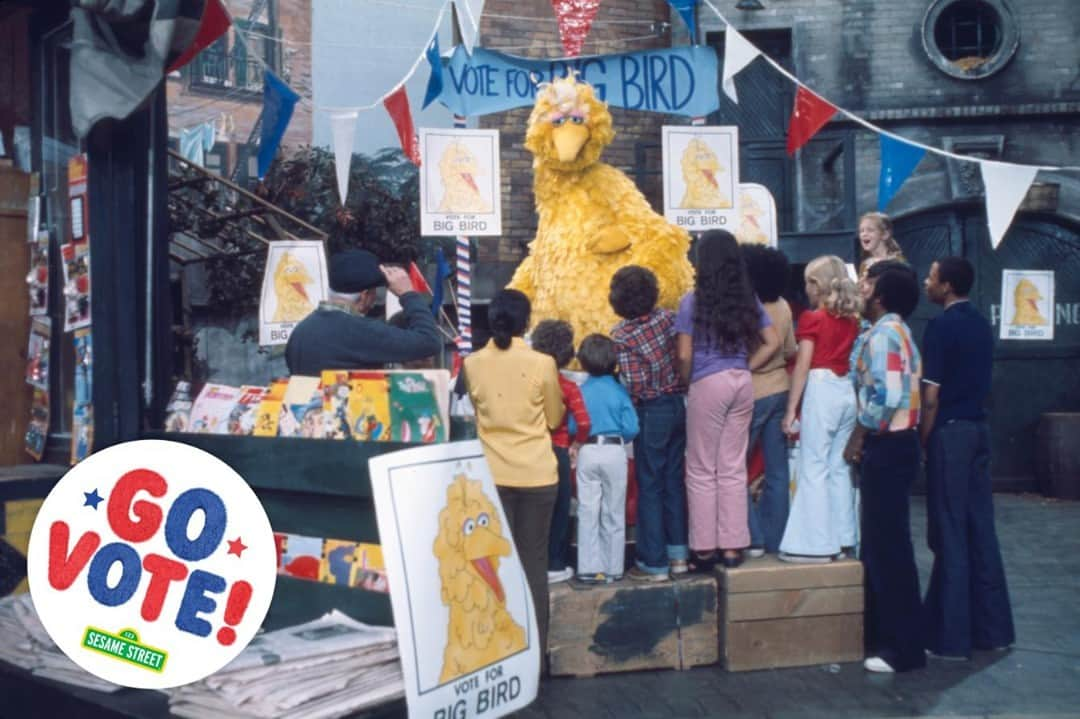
point(645, 346)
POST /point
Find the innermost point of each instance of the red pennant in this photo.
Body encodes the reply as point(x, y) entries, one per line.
point(215, 21)
point(417, 278)
point(809, 115)
point(397, 104)
point(575, 19)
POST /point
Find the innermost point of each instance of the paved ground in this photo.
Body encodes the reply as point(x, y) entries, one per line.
point(1040, 677)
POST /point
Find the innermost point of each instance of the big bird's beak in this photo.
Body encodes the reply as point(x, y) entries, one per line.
point(569, 139)
point(481, 547)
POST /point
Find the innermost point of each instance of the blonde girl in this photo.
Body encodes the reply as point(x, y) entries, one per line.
point(876, 241)
point(822, 518)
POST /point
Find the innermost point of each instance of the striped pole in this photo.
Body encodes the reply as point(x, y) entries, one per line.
point(464, 282)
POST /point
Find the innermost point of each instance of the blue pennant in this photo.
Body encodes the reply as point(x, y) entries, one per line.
point(442, 272)
point(898, 161)
point(278, 103)
point(686, 8)
point(434, 85)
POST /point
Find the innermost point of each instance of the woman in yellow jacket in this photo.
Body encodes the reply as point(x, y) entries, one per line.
point(515, 391)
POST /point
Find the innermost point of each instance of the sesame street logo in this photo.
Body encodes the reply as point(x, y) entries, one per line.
point(159, 538)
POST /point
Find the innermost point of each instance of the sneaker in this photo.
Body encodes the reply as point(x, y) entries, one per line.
point(679, 566)
point(597, 578)
point(805, 558)
point(561, 575)
point(878, 666)
point(755, 552)
point(640, 575)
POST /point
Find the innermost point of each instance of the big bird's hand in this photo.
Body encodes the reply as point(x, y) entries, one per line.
point(609, 240)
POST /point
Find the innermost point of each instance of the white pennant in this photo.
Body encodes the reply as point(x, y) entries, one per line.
point(1006, 186)
point(468, 12)
point(343, 132)
point(738, 53)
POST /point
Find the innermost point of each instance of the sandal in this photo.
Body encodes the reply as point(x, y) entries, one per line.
point(702, 565)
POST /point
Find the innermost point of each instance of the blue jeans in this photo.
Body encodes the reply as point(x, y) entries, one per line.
point(659, 460)
point(559, 541)
point(770, 514)
point(967, 604)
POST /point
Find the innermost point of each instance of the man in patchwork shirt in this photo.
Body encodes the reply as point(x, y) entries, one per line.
point(885, 448)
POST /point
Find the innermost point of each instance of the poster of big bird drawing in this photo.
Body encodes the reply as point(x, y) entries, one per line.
point(294, 283)
point(464, 616)
point(459, 183)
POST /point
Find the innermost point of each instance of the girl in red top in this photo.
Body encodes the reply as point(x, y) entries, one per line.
point(822, 517)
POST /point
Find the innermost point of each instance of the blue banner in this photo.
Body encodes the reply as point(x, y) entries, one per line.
point(679, 81)
point(278, 103)
point(686, 9)
point(898, 161)
point(435, 83)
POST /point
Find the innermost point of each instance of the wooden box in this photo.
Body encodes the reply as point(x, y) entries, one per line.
point(628, 626)
point(778, 614)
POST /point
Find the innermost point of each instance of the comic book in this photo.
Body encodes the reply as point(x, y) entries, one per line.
point(302, 409)
point(210, 412)
point(336, 391)
point(369, 406)
point(179, 408)
point(82, 420)
point(414, 409)
point(269, 411)
point(38, 429)
point(353, 564)
point(241, 420)
point(37, 353)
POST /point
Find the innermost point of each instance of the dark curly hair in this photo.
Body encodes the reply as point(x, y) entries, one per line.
point(633, 292)
point(725, 309)
point(508, 316)
point(768, 269)
point(597, 355)
point(555, 338)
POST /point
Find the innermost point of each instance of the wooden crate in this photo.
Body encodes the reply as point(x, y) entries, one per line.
point(628, 626)
point(777, 614)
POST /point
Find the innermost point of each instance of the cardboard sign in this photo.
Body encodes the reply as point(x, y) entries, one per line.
point(757, 215)
point(462, 608)
point(294, 283)
point(701, 176)
point(1027, 302)
point(459, 183)
point(151, 564)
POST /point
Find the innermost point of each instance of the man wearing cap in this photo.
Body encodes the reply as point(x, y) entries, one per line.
point(337, 335)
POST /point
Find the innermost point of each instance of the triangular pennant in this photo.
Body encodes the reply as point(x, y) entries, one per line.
point(1006, 186)
point(343, 134)
point(468, 15)
point(397, 104)
point(435, 80)
point(215, 21)
point(419, 282)
point(898, 161)
point(575, 20)
point(686, 9)
point(738, 53)
point(278, 103)
point(807, 117)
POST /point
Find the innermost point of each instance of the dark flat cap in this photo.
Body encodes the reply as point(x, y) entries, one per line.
point(355, 271)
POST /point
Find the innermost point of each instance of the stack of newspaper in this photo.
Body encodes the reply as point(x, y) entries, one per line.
point(329, 667)
point(26, 644)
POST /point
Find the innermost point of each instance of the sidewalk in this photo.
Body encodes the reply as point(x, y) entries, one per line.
point(1040, 677)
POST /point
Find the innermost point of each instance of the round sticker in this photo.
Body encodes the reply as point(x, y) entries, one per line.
point(151, 564)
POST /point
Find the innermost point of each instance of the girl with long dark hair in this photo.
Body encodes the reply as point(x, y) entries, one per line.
point(723, 334)
point(515, 391)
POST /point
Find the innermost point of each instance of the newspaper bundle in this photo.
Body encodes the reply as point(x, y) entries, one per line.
point(329, 667)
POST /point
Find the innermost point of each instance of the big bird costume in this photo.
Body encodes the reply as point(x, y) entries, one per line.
point(593, 219)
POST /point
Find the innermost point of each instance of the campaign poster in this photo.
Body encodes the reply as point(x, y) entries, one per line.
point(757, 215)
point(294, 283)
point(1027, 305)
point(460, 183)
point(462, 608)
point(701, 176)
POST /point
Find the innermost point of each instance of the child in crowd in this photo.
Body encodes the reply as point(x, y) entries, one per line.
point(876, 241)
point(601, 465)
point(822, 518)
point(645, 347)
point(556, 338)
point(768, 270)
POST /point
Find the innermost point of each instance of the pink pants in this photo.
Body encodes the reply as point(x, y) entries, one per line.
point(718, 412)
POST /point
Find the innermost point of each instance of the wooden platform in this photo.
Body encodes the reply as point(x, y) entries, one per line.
point(629, 626)
point(776, 614)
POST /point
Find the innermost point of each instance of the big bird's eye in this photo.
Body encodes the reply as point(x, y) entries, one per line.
point(468, 527)
point(483, 520)
point(558, 121)
point(577, 120)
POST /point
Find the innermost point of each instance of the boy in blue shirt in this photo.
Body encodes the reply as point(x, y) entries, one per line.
point(601, 465)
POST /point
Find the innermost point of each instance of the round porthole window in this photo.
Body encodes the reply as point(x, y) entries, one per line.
point(970, 39)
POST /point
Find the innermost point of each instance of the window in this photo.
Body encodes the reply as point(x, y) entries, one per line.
point(970, 39)
point(226, 65)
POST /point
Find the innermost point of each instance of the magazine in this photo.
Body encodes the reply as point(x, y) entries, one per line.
point(302, 410)
point(210, 412)
point(242, 417)
point(414, 409)
point(269, 412)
